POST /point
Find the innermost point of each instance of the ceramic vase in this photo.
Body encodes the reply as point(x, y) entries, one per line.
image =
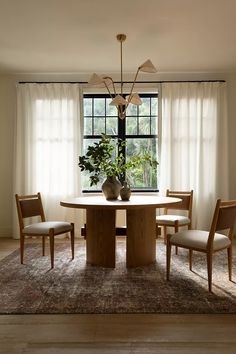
point(125, 191)
point(111, 188)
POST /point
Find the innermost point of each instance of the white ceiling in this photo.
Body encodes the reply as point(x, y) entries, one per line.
point(79, 36)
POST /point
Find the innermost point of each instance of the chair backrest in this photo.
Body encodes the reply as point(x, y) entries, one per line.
point(224, 218)
point(185, 204)
point(29, 206)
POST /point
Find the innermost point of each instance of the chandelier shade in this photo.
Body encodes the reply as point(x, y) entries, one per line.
point(148, 67)
point(95, 80)
point(134, 99)
point(118, 99)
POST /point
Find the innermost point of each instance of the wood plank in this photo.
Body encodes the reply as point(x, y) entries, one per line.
point(137, 333)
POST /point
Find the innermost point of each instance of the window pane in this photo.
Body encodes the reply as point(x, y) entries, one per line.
point(110, 110)
point(144, 125)
point(99, 126)
point(131, 110)
point(144, 176)
point(131, 126)
point(88, 142)
point(88, 126)
point(99, 106)
point(144, 108)
point(154, 125)
point(111, 126)
point(154, 106)
point(87, 106)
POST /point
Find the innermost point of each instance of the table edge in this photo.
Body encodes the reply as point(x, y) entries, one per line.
point(71, 204)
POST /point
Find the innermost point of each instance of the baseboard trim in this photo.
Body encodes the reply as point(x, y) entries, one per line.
point(5, 232)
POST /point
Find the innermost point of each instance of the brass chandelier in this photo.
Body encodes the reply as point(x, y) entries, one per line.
point(118, 99)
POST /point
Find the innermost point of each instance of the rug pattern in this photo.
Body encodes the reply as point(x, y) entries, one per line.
point(76, 287)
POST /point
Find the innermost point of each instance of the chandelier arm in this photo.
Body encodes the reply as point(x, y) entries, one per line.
point(121, 112)
point(121, 68)
point(113, 85)
point(132, 88)
point(124, 111)
point(108, 90)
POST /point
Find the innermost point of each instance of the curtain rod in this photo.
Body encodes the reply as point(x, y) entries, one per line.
point(117, 82)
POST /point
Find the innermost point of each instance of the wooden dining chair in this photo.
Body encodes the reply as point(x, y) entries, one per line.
point(31, 206)
point(208, 242)
point(173, 220)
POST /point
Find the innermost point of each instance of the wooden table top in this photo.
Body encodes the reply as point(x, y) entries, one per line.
point(135, 202)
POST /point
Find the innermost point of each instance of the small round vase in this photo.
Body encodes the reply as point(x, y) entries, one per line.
point(111, 188)
point(125, 191)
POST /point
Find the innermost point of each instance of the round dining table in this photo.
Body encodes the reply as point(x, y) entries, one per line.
point(101, 227)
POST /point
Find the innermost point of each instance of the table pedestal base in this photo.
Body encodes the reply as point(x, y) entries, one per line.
point(100, 239)
point(141, 237)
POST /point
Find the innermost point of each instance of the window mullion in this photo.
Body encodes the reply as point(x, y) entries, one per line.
point(121, 136)
point(92, 116)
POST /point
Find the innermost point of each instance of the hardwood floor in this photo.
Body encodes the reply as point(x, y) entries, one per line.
point(120, 334)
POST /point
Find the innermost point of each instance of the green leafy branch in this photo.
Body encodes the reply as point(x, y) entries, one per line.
point(106, 158)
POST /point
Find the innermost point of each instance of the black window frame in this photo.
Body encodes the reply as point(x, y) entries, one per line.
point(121, 132)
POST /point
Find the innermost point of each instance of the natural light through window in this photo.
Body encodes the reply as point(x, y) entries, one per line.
point(139, 130)
point(54, 151)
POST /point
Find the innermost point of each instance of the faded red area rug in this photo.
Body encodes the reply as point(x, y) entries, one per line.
point(75, 287)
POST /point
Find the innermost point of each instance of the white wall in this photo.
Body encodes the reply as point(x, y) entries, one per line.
point(7, 114)
point(231, 80)
point(7, 121)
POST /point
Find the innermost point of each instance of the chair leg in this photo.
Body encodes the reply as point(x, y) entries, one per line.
point(168, 255)
point(165, 234)
point(51, 240)
point(22, 245)
point(209, 270)
point(176, 230)
point(43, 245)
point(229, 252)
point(190, 259)
point(85, 231)
point(156, 230)
point(72, 240)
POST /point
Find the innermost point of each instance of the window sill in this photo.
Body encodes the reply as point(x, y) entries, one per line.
point(87, 191)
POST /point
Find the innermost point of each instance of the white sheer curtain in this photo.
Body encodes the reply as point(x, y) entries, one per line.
point(47, 146)
point(194, 152)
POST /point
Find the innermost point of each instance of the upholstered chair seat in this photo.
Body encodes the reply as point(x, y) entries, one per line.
point(198, 239)
point(170, 220)
point(42, 228)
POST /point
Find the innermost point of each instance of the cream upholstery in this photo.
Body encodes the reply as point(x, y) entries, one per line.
point(198, 239)
point(42, 228)
point(169, 220)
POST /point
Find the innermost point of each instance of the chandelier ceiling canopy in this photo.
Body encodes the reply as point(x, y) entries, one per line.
point(118, 99)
